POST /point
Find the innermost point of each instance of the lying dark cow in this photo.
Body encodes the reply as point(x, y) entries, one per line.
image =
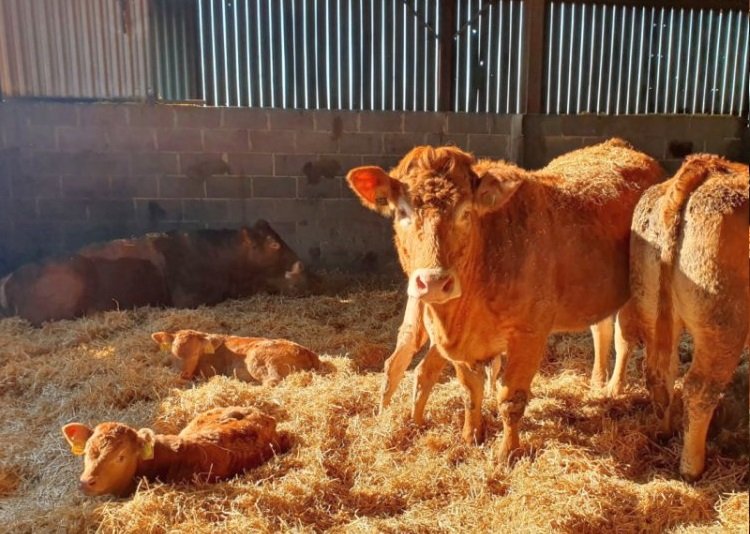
point(181, 269)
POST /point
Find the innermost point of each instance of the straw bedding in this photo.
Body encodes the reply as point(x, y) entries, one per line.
point(589, 465)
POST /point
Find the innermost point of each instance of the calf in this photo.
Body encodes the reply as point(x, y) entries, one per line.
point(267, 361)
point(689, 269)
point(500, 257)
point(217, 444)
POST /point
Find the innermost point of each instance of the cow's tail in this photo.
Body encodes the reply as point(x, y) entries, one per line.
point(691, 175)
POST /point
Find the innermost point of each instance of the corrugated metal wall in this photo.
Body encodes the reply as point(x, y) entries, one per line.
point(75, 48)
point(619, 60)
point(174, 32)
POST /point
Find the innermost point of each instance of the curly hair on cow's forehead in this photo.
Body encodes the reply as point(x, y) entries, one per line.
point(435, 176)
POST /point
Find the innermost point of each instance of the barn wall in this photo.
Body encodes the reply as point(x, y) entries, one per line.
point(73, 173)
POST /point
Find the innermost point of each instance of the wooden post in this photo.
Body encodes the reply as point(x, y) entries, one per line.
point(447, 66)
point(533, 54)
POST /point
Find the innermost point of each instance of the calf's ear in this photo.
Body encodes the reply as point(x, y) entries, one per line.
point(146, 440)
point(77, 435)
point(164, 340)
point(375, 188)
point(214, 342)
point(493, 191)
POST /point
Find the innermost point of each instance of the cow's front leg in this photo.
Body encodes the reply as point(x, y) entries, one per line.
point(471, 378)
point(411, 337)
point(428, 372)
point(523, 358)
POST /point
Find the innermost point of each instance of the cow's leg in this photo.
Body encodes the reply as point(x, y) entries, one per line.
point(471, 378)
point(660, 368)
point(519, 368)
point(428, 371)
point(411, 337)
point(603, 331)
point(493, 373)
point(713, 364)
point(624, 347)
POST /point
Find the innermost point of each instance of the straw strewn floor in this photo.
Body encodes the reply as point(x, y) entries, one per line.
point(589, 465)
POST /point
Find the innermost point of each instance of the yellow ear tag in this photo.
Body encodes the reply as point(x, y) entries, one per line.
point(78, 450)
point(165, 347)
point(148, 451)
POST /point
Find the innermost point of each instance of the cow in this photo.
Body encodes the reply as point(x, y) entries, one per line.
point(217, 444)
point(500, 257)
point(689, 270)
point(258, 359)
point(181, 269)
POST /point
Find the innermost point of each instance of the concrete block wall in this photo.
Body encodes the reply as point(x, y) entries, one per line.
point(73, 173)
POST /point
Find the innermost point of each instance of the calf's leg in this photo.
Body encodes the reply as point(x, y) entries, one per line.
point(471, 377)
point(523, 358)
point(428, 372)
point(603, 331)
point(624, 346)
point(660, 368)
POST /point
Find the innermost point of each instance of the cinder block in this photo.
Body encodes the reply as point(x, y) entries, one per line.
point(37, 138)
point(51, 114)
point(159, 163)
point(336, 122)
point(133, 186)
point(181, 187)
point(489, 146)
point(274, 187)
point(82, 186)
point(731, 149)
point(215, 140)
point(396, 143)
point(245, 118)
point(207, 210)
point(63, 209)
point(316, 143)
point(251, 164)
point(197, 117)
point(292, 164)
point(290, 120)
point(132, 139)
point(361, 143)
point(273, 141)
point(74, 139)
point(425, 122)
point(229, 187)
point(103, 115)
point(381, 121)
point(468, 123)
point(716, 126)
point(501, 124)
point(153, 211)
point(458, 140)
point(200, 165)
point(325, 188)
point(111, 210)
point(158, 115)
point(179, 140)
point(29, 186)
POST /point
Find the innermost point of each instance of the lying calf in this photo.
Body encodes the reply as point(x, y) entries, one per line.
point(217, 444)
point(267, 361)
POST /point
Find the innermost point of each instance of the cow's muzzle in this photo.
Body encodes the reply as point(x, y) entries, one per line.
point(434, 285)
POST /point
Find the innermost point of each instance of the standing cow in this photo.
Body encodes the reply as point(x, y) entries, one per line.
point(500, 257)
point(689, 269)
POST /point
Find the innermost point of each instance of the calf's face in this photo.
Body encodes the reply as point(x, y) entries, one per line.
point(437, 202)
point(188, 346)
point(111, 454)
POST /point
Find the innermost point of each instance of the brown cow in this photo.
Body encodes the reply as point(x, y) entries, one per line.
point(182, 269)
point(217, 444)
point(689, 270)
point(500, 257)
point(267, 361)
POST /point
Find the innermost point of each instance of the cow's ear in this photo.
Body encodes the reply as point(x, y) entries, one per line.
point(493, 191)
point(215, 341)
point(164, 340)
point(77, 435)
point(272, 243)
point(375, 188)
point(146, 440)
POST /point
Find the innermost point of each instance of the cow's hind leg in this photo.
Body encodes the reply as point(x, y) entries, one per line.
point(660, 368)
point(625, 343)
point(428, 372)
point(472, 378)
point(713, 364)
point(519, 368)
point(603, 331)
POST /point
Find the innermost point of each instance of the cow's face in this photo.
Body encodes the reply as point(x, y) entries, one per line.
point(111, 453)
point(188, 346)
point(437, 202)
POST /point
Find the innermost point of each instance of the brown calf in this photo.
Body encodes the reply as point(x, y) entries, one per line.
point(217, 444)
point(689, 270)
point(500, 257)
point(267, 361)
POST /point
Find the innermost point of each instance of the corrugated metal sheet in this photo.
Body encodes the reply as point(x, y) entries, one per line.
point(75, 48)
point(175, 35)
point(624, 59)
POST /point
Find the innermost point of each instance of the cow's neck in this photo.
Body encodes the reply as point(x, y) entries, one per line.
point(168, 451)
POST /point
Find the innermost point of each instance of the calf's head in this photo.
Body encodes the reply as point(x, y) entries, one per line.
point(188, 346)
point(437, 200)
point(111, 454)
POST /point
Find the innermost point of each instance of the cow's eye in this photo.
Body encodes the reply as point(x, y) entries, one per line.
point(403, 217)
point(121, 458)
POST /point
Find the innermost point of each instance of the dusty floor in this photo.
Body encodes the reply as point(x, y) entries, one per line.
point(589, 464)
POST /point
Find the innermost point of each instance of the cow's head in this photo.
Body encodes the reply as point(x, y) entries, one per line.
point(274, 260)
point(111, 453)
point(188, 346)
point(437, 200)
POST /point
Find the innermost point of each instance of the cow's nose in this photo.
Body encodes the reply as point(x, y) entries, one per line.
point(87, 484)
point(434, 285)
